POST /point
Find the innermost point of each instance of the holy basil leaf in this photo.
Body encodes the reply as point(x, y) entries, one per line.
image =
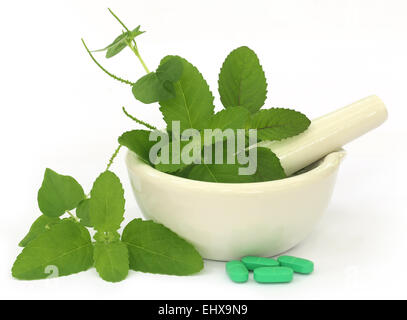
point(106, 208)
point(232, 118)
point(145, 89)
point(117, 47)
point(170, 69)
point(193, 102)
point(177, 152)
point(268, 166)
point(278, 123)
point(119, 39)
point(220, 169)
point(221, 173)
point(58, 194)
point(170, 166)
point(107, 237)
point(120, 42)
point(82, 212)
point(184, 172)
point(65, 249)
point(135, 32)
point(154, 248)
point(242, 81)
point(150, 88)
point(158, 86)
point(111, 260)
point(42, 224)
point(138, 141)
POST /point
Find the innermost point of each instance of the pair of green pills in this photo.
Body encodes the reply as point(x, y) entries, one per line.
point(268, 270)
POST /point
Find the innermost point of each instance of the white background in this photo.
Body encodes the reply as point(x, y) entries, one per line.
point(59, 110)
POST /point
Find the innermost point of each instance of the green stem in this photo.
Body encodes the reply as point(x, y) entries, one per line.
point(72, 216)
point(136, 52)
point(143, 64)
point(116, 152)
point(149, 126)
point(107, 72)
point(117, 18)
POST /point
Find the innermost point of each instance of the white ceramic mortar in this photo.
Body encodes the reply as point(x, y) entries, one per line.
point(226, 221)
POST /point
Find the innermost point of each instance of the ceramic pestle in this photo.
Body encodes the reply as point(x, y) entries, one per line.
point(329, 133)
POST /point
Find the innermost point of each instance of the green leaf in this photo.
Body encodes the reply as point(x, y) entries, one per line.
point(232, 118)
point(172, 167)
point(138, 141)
point(268, 166)
point(66, 248)
point(242, 81)
point(120, 42)
point(119, 39)
point(117, 47)
point(193, 102)
point(170, 69)
point(221, 173)
point(150, 88)
point(107, 237)
point(111, 260)
point(82, 212)
point(184, 172)
point(106, 208)
point(156, 249)
point(158, 86)
point(123, 42)
point(42, 224)
point(278, 123)
point(58, 194)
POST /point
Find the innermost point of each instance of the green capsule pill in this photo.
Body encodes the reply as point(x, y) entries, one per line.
point(273, 274)
point(237, 271)
point(299, 265)
point(252, 263)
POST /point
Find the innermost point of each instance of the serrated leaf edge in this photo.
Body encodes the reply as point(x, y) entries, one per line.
point(262, 69)
point(178, 84)
point(159, 254)
point(128, 262)
point(278, 108)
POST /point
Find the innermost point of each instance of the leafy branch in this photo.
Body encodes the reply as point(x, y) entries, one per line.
point(67, 245)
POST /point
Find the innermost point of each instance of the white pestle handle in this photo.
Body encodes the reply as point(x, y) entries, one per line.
point(329, 133)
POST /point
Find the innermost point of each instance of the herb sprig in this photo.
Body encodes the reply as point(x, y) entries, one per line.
point(184, 96)
point(60, 239)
